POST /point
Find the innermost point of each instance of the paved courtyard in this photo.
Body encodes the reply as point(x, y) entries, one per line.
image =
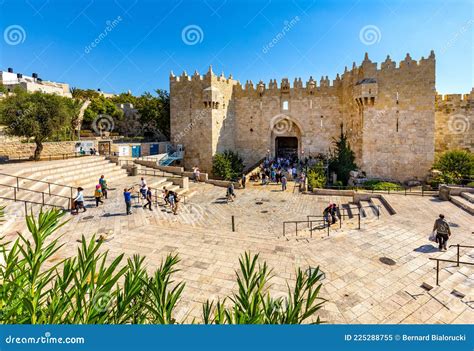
point(358, 286)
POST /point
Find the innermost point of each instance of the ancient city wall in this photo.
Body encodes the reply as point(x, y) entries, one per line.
point(389, 113)
point(454, 122)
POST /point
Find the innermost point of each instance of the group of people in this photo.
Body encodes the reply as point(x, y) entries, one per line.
point(100, 192)
point(331, 213)
point(92, 151)
point(279, 170)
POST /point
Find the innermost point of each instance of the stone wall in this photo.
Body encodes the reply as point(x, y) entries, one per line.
point(388, 113)
point(454, 121)
point(16, 150)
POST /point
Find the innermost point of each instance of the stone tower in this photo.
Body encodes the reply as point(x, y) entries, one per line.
point(202, 116)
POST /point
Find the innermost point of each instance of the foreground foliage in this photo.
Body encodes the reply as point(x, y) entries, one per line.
point(90, 288)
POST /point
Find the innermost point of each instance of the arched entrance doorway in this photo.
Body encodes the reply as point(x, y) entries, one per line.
point(286, 146)
point(285, 137)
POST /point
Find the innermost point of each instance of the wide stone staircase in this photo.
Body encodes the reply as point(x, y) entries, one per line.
point(27, 187)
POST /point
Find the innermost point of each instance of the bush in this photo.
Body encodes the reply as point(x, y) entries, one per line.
point(90, 288)
point(381, 185)
point(316, 176)
point(470, 184)
point(454, 165)
point(227, 165)
point(342, 160)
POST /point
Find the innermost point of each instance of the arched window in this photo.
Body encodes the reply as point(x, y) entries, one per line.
point(284, 105)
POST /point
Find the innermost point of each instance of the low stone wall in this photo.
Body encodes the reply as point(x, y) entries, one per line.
point(19, 150)
point(203, 177)
point(223, 183)
point(446, 191)
point(334, 192)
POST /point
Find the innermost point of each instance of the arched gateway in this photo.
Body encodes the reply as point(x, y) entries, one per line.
point(285, 136)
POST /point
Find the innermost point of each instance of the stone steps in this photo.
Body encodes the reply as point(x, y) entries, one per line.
point(468, 196)
point(462, 202)
point(367, 210)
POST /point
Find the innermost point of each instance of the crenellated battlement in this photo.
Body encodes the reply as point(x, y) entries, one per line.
point(453, 102)
point(366, 69)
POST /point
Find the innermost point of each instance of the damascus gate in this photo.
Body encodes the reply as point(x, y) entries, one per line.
point(391, 113)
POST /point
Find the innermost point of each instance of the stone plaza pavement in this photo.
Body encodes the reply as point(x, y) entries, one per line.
point(358, 286)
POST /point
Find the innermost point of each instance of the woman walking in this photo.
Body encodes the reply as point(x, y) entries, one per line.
point(98, 195)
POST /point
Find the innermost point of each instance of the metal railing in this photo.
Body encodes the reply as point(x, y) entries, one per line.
point(155, 197)
point(18, 178)
point(458, 246)
point(44, 158)
point(308, 222)
point(26, 202)
point(438, 260)
point(43, 202)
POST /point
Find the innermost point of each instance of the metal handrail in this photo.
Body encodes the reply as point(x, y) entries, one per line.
point(49, 157)
point(309, 222)
point(155, 197)
point(458, 250)
point(25, 202)
point(36, 180)
point(15, 198)
point(438, 260)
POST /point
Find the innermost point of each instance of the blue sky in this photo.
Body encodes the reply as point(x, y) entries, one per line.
point(148, 39)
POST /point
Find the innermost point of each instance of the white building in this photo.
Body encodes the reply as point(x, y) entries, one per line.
point(10, 80)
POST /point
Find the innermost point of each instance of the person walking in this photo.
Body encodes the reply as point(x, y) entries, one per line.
point(103, 185)
point(149, 199)
point(143, 187)
point(127, 195)
point(334, 213)
point(98, 195)
point(326, 214)
point(283, 182)
point(443, 232)
point(244, 180)
point(196, 174)
point(171, 199)
point(78, 202)
point(176, 203)
point(230, 195)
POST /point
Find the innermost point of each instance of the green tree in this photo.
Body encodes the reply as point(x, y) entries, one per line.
point(36, 115)
point(455, 165)
point(342, 158)
point(155, 111)
point(227, 165)
point(100, 105)
point(316, 176)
